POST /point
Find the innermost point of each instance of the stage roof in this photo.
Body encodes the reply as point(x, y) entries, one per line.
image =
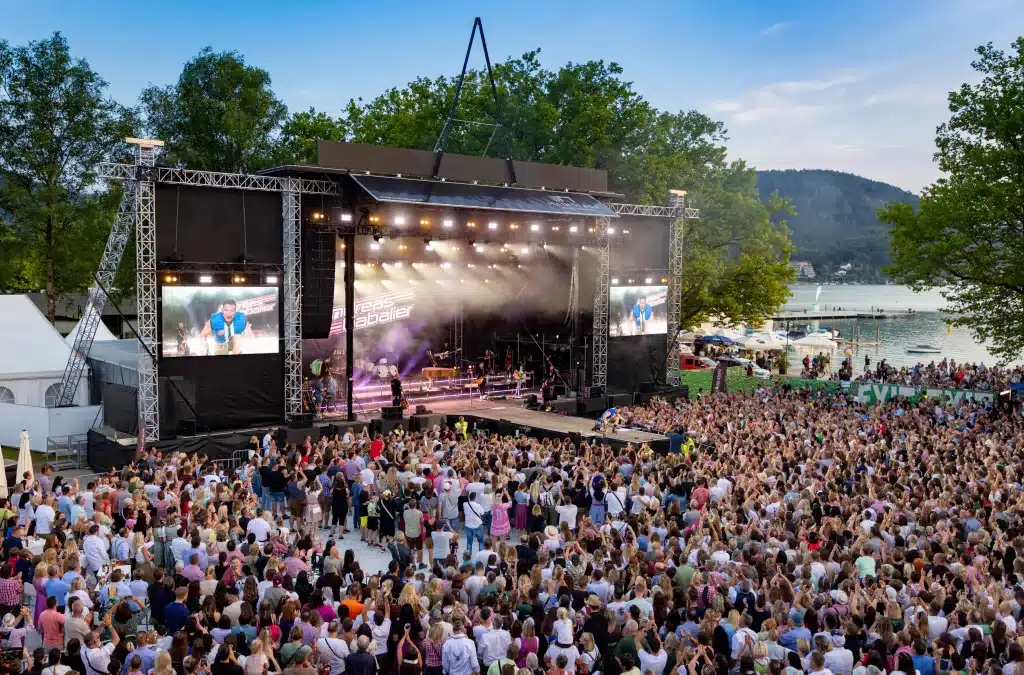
point(487, 197)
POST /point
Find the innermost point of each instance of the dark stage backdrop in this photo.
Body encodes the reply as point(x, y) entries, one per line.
point(232, 391)
point(402, 312)
point(635, 362)
point(218, 225)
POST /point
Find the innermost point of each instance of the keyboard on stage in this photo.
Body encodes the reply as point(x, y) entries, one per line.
point(436, 373)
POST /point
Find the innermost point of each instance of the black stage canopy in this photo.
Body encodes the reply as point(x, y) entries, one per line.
point(487, 197)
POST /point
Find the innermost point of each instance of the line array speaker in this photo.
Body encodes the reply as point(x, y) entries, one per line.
point(318, 253)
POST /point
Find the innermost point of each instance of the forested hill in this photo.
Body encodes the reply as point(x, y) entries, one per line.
point(836, 221)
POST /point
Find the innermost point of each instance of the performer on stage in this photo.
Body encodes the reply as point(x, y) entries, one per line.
point(641, 315)
point(481, 382)
point(396, 392)
point(519, 377)
point(610, 420)
point(227, 326)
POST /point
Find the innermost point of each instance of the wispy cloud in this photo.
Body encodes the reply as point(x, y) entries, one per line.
point(792, 101)
point(777, 28)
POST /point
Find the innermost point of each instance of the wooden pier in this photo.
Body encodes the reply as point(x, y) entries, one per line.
point(837, 315)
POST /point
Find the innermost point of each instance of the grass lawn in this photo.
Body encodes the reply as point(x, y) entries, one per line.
point(12, 453)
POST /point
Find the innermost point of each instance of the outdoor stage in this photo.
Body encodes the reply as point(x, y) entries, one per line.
point(507, 416)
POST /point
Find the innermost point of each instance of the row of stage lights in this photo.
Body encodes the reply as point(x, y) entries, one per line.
point(647, 281)
point(430, 245)
point(240, 279)
point(492, 225)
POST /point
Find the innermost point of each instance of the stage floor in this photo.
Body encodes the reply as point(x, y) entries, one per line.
point(512, 411)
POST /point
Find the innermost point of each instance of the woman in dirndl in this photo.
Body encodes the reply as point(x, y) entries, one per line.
point(500, 527)
point(522, 508)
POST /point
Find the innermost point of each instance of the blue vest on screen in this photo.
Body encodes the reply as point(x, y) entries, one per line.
point(217, 324)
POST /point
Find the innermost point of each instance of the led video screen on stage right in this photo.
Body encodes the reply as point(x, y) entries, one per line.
point(638, 310)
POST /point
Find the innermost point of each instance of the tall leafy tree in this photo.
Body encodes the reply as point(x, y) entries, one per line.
point(967, 237)
point(56, 124)
point(221, 115)
point(300, 132)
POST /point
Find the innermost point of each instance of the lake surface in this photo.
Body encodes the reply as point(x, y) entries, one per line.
point(928, 326)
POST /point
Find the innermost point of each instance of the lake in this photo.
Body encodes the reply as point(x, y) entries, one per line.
point(927, 326)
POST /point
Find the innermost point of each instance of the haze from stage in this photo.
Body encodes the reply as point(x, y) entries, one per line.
point(219, 320)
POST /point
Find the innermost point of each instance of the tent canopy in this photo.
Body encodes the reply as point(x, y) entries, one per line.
point(31, 345)
point(816, 341)
point(761, 343)
point(103, 334)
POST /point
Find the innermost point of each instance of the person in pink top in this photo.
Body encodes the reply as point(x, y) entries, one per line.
point(500, 525)
point(51, 625)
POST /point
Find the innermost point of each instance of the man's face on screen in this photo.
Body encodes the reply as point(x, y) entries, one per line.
point(643, 304)
point(229, 311)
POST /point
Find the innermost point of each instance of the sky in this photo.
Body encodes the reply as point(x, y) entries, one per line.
point(851, 86)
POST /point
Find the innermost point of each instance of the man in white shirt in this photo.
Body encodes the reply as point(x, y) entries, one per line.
point(475, 583)
point(334, 648)
point(94, 548)
point(179, 545)
point(473, 513)
point(45, 516)
point(494, 642)
point(260, 527)
point(96, 658)
point(458, 656)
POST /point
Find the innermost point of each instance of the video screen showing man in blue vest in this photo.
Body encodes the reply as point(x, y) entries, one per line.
point(228, 328)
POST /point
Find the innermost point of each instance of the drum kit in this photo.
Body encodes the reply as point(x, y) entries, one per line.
point(381, 369)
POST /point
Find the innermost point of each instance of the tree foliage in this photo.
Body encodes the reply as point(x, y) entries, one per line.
point(221, 115)
point(300, 132)
point(56, 124)
point(967, 238)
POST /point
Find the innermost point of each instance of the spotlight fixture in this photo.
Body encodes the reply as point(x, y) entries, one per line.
point(615, 280)
point(399, 220)
point(610, 230)
point(316, 215)
point(629, 280)
point(625, 232)
point(375, 246)
point(170, 279)
point(374, 219)
point(470, 223)
point(573, 229)
point(524, 250)
point(402, 247)
point(271, 279)
point(238, 279)
point(398, 263)
point(448, 222)
point(428, 247)
point(491, 266)
point(535, 227)
point(555, 228)
point(648, 281)
point(664, 280)
point(205, 279)
point(479, 248)
point(492, 225)
point(470, 265)
point(590, 230)
point(346, 217)
point(446, 265)
point(425, 222)
point(514, 226)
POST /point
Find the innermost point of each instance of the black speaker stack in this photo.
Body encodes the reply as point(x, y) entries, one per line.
point(318, 254)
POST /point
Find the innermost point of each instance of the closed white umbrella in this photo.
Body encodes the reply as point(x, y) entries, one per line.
point(3, 478)
point(25, 458)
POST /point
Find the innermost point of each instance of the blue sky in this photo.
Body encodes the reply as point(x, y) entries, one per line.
point(853, 86)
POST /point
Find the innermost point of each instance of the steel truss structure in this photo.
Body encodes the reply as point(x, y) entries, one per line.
point(679, 213)
point(455, 333)
point(291, 216)
point(599, 377)
point(137, 211)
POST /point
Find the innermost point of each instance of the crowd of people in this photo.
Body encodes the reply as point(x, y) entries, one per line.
point(798, 533)
point(946, 374)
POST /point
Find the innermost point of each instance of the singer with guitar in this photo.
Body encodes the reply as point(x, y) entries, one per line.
point(641, 315)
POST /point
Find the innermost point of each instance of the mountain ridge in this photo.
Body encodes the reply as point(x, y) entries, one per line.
point(836, 222)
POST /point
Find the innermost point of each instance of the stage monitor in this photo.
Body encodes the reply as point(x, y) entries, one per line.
point(638, 310)
point(220, 320)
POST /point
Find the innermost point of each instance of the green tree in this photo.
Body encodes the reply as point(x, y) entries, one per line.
point(300, 132)
point(966, 238)
point(220, 116)
point(56, 124)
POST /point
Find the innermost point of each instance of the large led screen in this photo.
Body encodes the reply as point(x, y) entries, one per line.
point(638, 310)
point(220, 320)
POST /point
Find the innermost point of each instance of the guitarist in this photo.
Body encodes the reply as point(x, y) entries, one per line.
point(519, 377)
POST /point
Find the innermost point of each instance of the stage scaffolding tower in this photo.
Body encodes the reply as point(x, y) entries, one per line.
point(600, 355)
point(137, 211)
point(291, 217)
point(676, 242)
point(455, 333)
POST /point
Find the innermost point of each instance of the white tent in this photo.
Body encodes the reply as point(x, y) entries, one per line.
point(103, 334)
point(32, 357)
point(765, 342)
point(817, 342)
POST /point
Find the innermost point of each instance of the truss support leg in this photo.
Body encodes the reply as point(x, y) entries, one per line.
point(145, 289)
point(677, 238)
point(600, 354)
point(117, 240)
point(291, 207)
